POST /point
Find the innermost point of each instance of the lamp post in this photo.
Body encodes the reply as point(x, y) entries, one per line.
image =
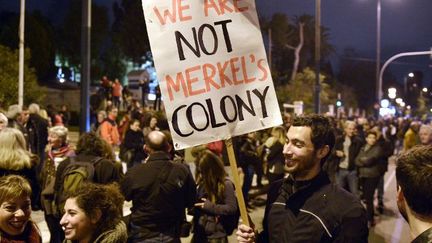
point(21, 55)
point(317, 55)
point(378, 52)
point(85, 65)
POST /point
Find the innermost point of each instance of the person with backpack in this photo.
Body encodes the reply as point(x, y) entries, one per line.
point(93, 213)
point(216, 212)
point(89, 165)
point(160, 191)
point(58, 150)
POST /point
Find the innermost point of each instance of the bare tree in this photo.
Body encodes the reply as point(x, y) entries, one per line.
point(297, 50)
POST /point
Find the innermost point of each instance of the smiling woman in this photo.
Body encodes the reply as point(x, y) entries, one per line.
point(15, 211)
point(93, 214)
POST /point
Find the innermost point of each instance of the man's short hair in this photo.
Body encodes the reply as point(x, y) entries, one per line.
point(414, 176)
point(322, 131)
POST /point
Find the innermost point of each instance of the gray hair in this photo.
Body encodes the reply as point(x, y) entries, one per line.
point(426, 127)
point(34, 108)
point(60, 131)
point(13, 111)
point(3, 118)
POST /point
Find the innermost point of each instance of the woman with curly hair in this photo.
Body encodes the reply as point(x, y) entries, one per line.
point(216, 200)
point(93, 213)
point(15, 211)
point(16, 160)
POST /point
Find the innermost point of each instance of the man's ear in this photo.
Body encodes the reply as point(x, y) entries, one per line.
point(323, 151)
point(400, 197)
point(146, 149)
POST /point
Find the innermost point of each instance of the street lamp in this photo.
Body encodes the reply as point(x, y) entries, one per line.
point(392, 93)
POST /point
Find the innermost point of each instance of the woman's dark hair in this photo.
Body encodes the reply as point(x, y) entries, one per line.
point(90, 143)
point(108, 199)
point(212, 176)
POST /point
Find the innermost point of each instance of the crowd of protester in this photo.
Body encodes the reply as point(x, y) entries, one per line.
point(34, 145)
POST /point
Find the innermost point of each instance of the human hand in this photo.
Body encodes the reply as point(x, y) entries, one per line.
point(245, 234)
point(339, 153)
point(200, 204)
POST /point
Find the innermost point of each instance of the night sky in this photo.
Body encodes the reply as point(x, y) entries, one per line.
point(406, 25)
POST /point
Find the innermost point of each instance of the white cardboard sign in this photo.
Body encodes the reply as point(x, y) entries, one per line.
point(212, 68)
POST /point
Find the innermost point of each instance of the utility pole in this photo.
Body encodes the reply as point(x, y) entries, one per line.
point(317, 55)
point(378, 52)
point(21, 55)
point(85, 65)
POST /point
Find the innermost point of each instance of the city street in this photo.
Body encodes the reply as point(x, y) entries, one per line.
point(390, 228)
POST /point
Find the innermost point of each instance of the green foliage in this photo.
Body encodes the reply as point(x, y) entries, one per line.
point(129, 30)
point(39, 38)
point(9, 79)
point(302, 89)
point(113, 63)
point(70, 36)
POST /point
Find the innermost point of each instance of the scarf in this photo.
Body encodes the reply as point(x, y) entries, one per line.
point(63, 151)
point(31, 234)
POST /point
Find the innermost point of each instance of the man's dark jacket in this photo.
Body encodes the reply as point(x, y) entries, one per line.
point(313, 211)
point(158, 205)
point(353, 150)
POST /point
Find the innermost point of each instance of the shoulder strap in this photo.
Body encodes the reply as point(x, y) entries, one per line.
point(165, 172)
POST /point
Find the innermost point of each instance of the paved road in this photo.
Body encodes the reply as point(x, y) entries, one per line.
point(391, 227)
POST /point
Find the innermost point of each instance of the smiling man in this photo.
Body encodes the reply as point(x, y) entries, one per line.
point(305, 206)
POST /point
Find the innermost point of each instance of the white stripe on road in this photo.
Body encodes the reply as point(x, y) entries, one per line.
point(400, 222)
point(389, 180)
point(397, 229)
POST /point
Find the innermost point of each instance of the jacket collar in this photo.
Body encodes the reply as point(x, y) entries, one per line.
point(424, 237)
point(292, 188)
point(159, 155)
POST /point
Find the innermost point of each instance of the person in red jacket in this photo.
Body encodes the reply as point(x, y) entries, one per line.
point(116, 92)
point(108, 128)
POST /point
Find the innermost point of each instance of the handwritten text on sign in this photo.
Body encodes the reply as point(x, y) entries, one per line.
point(212, 67)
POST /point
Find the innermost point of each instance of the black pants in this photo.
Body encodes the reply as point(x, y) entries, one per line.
point(369, 187)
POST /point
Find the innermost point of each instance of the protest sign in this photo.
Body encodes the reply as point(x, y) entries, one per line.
point(212, 68)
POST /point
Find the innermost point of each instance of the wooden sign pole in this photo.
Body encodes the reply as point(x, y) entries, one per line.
point(238, 188)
